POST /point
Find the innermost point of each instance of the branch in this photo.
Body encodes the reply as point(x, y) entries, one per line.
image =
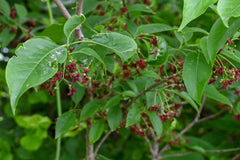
point(210, 117)
point(62, 8)
point(206, 151)
point(78, 32)
point(101, 142)
point(167, 146)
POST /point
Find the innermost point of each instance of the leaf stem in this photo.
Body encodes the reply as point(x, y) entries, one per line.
point(59, 110)
point(49, 11)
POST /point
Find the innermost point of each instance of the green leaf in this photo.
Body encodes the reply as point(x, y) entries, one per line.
point(151, 74)
point(91, 108)
point(161, 57)
point(4, 6)
point(96, 131)
point(64, 122)
point(203, 45)
point(133, 116)
point(37, 61)
point(8, 37)
point(128, 94)
point(112, 102)
point(21, 11)
point(54, 32)
point(196, 73)
point(218, 36)
point(193, 9)
point(114, 117)
point(89, 52)
point(140, 8)
point(78, 95)
point(156, 122)
point(185, 96)
point(71, 24)
point(31, 142)
point(234, 56)
point(211, 92)
point(227, 9)
point(124, 46)
point(153, 28)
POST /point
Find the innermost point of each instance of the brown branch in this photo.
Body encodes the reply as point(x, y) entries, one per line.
point(89, 147)
point(101, 142)
point(62, 9)
point(206, 151)
point(167, 146)
point(78, 31)
point(210, 116)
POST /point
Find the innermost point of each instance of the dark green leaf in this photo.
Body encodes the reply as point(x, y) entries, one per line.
point(114, 117)
point(153, 28)
point(78, 95)
point(151, 74)
point(213, 93)
point(21, 11)
point(4, 6)
point(112, 102)
point(37, 61)
point(55, 32)
point(89, 52)
point(156, 122)
point(133, 116)
point(140, 8)
point(91, 108)
point(196, 73)
point(64, 122)
point(203, 45)
point(96, 131)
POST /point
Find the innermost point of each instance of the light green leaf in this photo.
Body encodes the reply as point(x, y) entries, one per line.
point(31, 142)
point(234, 56)
point(133, 116)
point(218, 36)
point(114, 117)
point(196, 73)
point(140, 8)
point(128, 94)
point(156, 122)
point(21, 11)
point(193, 9)
point(91, 108)
point(96, 131)
point(4, 6)
point(124, 46)
point(153, 28)
point(37, 61)
point(71, 24)
point(227, 9)
point(64, 122)
point(203, 45)
point(89, 52)
point(185, 96)
point(211, 92)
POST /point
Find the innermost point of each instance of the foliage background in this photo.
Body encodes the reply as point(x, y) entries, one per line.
point(223, 132)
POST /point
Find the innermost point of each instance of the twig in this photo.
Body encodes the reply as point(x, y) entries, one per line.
point(167, 146)
point(101, 142)
point(62, 8)
point(210, 117)
point(149, 144)
point(78, 31)
point(206, 151)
